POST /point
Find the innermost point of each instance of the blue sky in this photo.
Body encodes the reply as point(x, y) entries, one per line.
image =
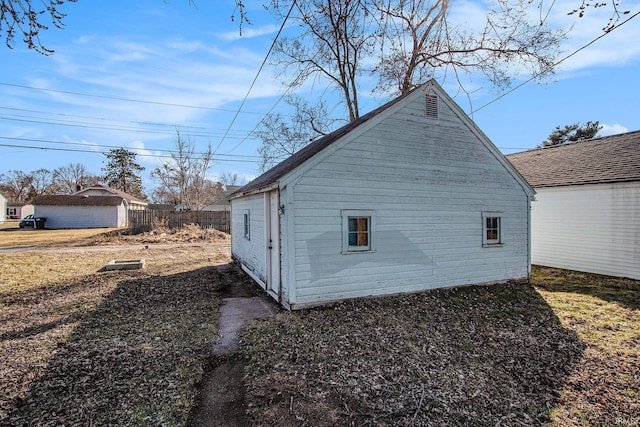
point(130, 74)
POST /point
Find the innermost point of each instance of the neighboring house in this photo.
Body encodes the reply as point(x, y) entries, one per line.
point(3, 209)
point(586, 216)
point(409, 197)
point(82, 211)
point(17, 210)
point(133, 203)
point(223, 205)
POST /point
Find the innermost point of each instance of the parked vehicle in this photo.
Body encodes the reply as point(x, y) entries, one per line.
point(28, 221)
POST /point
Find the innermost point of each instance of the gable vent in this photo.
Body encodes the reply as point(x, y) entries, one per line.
point(431, 107)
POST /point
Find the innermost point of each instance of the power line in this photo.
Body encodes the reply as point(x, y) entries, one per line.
point(88, 95)
point(536, 75)
point(87, 144)
point(75, 150)
point(275, 39)
point(111, 128)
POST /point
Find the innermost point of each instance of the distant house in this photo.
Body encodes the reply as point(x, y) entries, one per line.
point(3, 209)
point(587, 213)
point(133, 203)
point(223, 205)
point(91, 207)
point(409, 197)
point(82, 211)
point(17, 210)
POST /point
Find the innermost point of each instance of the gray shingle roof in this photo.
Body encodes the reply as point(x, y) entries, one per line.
point(608, 159)
point(115, 192)
point(70, 200)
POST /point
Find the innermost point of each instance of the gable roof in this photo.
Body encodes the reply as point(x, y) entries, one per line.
point(76, 200)
point(128, 197)
point(608, 159)
point(278, 171)
point(273, 175)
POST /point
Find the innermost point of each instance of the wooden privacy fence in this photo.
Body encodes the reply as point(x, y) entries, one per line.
point(145, 220)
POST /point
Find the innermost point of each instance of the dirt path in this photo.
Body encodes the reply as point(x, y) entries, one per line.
point(222, 391)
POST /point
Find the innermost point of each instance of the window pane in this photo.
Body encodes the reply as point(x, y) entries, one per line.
point(358, 231)
point(363, 239)
point(353, 239)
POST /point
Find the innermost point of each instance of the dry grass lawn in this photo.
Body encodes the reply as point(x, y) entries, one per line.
point(128, 348)
point(117, 348)
point(28, 237)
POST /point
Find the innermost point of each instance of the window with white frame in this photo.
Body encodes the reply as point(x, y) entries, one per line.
point(357, 231)
point(491, 228)
point(247, 225)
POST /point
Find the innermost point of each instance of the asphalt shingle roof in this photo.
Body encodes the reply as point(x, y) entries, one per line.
point(70, 200)
point(608, 159)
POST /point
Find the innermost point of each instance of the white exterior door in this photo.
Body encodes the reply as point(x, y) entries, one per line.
point(272, 241)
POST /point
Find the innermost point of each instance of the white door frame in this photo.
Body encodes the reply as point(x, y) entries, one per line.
point(272, 241)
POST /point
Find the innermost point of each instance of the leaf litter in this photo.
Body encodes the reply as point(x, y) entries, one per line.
point(473, 356)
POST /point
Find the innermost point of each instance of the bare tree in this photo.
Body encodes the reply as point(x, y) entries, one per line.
point(182, 178)
point(231, 178)
point(333, 43)
point(26, 18)
point(418, 40)
point(16, 184)
point(282, 136)
point(73, 177)
point(42, 182)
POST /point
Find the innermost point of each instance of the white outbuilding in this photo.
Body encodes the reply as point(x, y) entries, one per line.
point(586, 216)
point(75, 211)
point(409, 197)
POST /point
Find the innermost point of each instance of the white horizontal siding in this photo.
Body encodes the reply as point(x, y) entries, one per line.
point(428, 183)
point(592, 228)
point(249, 252)
point(81, 216)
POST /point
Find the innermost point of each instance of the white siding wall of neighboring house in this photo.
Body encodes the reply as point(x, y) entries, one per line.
point(3, 209)
point(81, 216)
point(249, 252)
point(427, 188)
point(593, 228)
point(26, 210)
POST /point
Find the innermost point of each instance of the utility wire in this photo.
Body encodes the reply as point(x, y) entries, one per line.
point(87, 144)
point(536, 75)
point(88, 95)
point(293, 3)
point(77, 150)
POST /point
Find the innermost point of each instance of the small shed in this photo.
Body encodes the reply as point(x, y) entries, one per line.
point(73, 211)
point(586, 216)
point(409, 197)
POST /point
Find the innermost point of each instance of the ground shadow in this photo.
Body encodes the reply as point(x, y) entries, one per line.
point(480, 355)
point(623, 291)
point(135, 359)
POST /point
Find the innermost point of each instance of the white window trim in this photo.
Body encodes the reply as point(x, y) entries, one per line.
point(499, 242)
point(246, 223)
point(350, 213)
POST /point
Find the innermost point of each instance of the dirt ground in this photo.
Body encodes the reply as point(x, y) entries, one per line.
point(219, 399)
